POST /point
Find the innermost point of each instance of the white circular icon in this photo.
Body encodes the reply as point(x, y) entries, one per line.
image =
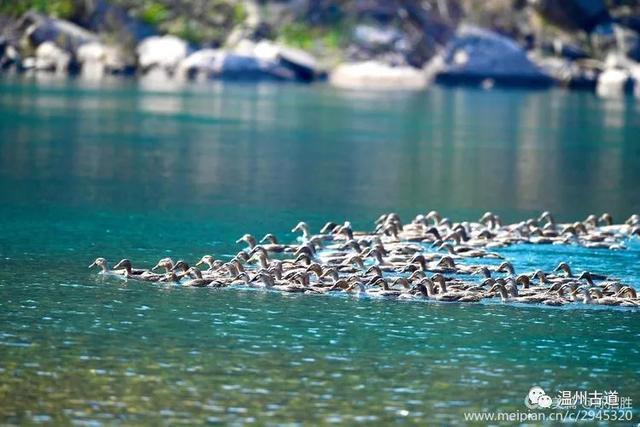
point(537, 398)
point(544, 401)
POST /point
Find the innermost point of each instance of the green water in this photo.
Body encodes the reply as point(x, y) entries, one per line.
point(122, 170)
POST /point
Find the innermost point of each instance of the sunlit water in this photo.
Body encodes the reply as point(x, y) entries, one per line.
point(122, 170)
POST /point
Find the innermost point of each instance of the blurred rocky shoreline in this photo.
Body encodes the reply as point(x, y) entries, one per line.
point(366, 44)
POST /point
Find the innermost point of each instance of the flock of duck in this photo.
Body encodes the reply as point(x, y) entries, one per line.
point(420, 260)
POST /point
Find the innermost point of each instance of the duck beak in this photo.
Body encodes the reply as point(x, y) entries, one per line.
point(117, 266)
point(239, 240)
point(199, 263)
point(156, 267)
point(92, 265)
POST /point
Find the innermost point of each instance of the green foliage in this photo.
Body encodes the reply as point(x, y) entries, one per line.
point(185, 29)
point(302, 36)
point(154, 13)
point(297, 35)
point(59, 8)
point(239, 13)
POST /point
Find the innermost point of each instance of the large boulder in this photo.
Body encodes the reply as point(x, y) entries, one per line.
point(243, 67)
point(478, 56)
point(164, 52)
point(302, 64)
point(218, 64)
point(201, 64)
point(66, 35)
point(377, 75)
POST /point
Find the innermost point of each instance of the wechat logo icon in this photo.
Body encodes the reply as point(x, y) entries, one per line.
point(537, 399)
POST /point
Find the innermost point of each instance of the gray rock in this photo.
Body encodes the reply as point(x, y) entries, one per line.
point(251, 68)
point(280, 62)
point(304, 65)
point(478, 56)
point(201, 64)
point(250, 61)
point(66, 35)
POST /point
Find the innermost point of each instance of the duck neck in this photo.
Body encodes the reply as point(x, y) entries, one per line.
point(503, 292)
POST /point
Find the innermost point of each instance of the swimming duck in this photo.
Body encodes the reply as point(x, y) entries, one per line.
point(451, 295)
point(563, 266)
point(210, 261)
point(385, 290)
point(249, 240)
point(137, 274)
point(270, 244)
point(197, 280)
point(166, 263)
point(104, 267)
point(469, 252)
point(304, 228)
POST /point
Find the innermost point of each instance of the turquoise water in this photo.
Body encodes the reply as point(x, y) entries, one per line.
point(122, 170)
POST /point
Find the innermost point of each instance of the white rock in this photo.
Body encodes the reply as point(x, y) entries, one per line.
point(635, 75)
point(97, 59)
point(376, 75)
point(166, 52)
point(612, 82)
point(50, 57)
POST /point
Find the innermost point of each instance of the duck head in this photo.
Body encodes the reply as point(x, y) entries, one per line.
point(208, 260)
point(166, 263)
point(249, 240)
point(563, 266)
point(303, 227)
point(506, 267)
point(100, 262)
point(180, 265)
point(123, 264)
point(269, 238)
point(606, 218)
point(586, 276)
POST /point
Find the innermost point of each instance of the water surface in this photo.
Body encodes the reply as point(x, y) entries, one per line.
point(126, 170)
